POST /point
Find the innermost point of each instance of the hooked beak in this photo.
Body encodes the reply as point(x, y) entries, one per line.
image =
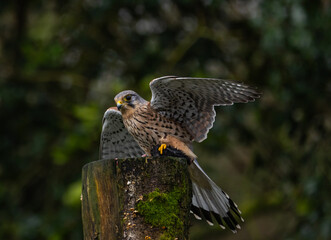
point(119, 105)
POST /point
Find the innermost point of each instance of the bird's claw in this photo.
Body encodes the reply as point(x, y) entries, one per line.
point(161, 148)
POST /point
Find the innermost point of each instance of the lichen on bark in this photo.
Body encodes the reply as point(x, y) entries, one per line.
point(113, 189)
point(163, 210)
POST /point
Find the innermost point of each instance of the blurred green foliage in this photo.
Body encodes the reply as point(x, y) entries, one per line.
point(62, 62)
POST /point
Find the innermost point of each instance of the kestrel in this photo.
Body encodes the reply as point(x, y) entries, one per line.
point(180, 112)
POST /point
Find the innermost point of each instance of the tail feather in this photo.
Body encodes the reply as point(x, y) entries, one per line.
point(219, 220)
point(196, 211)
point(210, 200)
point(202, 205)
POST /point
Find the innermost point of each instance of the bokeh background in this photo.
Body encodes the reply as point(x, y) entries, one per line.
point(62, 63)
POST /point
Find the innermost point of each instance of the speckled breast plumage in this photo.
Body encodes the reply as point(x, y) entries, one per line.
point(148, 127)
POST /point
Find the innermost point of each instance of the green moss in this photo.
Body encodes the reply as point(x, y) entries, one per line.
point(162, 210)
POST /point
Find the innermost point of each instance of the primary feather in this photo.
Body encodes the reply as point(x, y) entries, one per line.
point(116, 141)
point(191, 101)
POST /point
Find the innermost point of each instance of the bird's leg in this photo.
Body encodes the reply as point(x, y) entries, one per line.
point(162, 147)
point(174, 142)
point(146, 156)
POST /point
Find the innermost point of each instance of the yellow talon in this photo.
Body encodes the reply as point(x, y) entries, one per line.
point(161, 148)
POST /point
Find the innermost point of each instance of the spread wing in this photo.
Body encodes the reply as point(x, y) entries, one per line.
point(191, 101)
point(116, 141)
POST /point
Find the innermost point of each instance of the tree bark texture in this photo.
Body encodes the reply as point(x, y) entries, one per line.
point(136, 198)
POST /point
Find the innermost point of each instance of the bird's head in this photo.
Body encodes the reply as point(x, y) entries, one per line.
point(128, 100)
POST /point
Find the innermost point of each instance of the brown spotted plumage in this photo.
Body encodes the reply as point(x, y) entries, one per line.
point(149, 128)
point(182, 111)
point(115, 140)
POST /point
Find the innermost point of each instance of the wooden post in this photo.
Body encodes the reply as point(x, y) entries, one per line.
point(136, 198)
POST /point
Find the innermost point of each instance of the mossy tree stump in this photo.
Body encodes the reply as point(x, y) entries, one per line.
point(136, 198)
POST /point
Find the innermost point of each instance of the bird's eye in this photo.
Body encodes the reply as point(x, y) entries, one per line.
point(127, 98)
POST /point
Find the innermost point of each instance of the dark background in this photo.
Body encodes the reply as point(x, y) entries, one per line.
point(62, 63)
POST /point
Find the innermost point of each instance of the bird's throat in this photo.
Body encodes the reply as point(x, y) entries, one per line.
point(127, 111)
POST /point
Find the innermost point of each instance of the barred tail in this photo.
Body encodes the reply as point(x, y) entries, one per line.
point(210, 200)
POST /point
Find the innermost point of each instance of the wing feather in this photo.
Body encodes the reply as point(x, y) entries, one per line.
point(191, 101)
point(116, 141)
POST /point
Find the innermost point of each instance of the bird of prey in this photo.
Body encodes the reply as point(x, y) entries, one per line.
point(180, 112)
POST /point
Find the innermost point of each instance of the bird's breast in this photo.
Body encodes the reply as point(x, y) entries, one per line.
point(148, 128)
